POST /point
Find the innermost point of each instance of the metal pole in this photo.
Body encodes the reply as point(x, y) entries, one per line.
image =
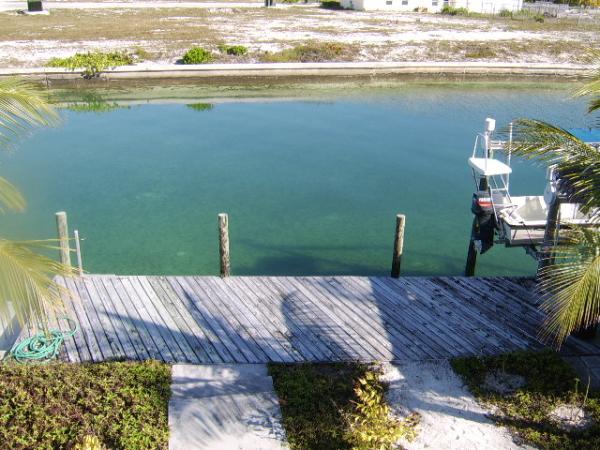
point(78, 251)
point(510, 141)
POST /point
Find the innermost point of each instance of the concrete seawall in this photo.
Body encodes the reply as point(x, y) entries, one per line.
point(232, 71)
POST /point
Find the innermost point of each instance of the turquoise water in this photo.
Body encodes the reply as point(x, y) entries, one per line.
point(312, 186)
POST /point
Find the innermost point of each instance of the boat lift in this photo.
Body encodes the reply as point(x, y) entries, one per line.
point(534, 222)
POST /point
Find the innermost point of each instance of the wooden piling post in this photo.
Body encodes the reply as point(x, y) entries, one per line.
point(224, 245)
point(398, 245)
point(471, 260)
point(63, 238)
point(472, 252)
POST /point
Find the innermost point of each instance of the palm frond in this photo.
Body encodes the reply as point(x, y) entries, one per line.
point(571, 286)
point(27, 280)
point(577, 162)
point(10, 197)
point(592, 87)
point(594, 104)
point(22, 106)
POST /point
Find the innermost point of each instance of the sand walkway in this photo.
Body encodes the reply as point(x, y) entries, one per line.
point(450, 416)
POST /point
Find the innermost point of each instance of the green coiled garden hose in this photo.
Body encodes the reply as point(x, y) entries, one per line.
point(43, 347)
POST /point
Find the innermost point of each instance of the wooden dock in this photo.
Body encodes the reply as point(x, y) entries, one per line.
point(202, 319)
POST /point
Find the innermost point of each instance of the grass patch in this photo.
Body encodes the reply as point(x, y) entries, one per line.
point(314, 52)
point(142, 54)
point(122, 404)
point(234, 50)
point(336, 406)
point(479, 52)
point(549, 383)
point(93, 63)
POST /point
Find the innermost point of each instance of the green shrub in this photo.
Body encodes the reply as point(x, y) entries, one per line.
point(370, 423)
point(197, 55)
point(506, 13)
point(336, 406)
point(123, 405)
point(94, 62)
point(235, 50)
point(451, 11)
point(313, 52)
point(331, 4)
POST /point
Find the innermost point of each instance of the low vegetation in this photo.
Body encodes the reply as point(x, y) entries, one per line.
point(337, 406)
point(452, 11)
point(481, 51)
point(120, 405)
point(93, 63)
point(331, 4)
point(164, 34)
point(200, 106)
point(530, 409)
point(197, 55)
point(93, 102)
point(503, 14)
point(314, 52)
point(234, 50)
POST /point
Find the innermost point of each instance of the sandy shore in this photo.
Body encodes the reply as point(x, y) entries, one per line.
point(163, 34)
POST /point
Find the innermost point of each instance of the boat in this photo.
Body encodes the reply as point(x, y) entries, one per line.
point(516, 221)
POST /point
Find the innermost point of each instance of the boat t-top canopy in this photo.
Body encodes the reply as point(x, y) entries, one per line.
point(489, 167)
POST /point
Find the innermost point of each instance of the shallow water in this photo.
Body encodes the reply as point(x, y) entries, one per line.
point(311, 185)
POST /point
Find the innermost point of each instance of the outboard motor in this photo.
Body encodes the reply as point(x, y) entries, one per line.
point(485, 221)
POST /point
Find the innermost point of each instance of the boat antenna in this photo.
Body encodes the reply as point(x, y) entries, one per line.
point(509, 153)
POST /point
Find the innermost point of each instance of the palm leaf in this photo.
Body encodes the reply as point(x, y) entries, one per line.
point(26, 276)
point(577, 162)
point(27, 280)
point(592, 87)
point(570, 287)
point(22, 106)
point(10, 197)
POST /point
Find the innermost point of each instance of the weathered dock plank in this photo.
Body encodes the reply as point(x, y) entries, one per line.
point(186, 324)
point(225, 307)
point(292, 336)
point(199, 319)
